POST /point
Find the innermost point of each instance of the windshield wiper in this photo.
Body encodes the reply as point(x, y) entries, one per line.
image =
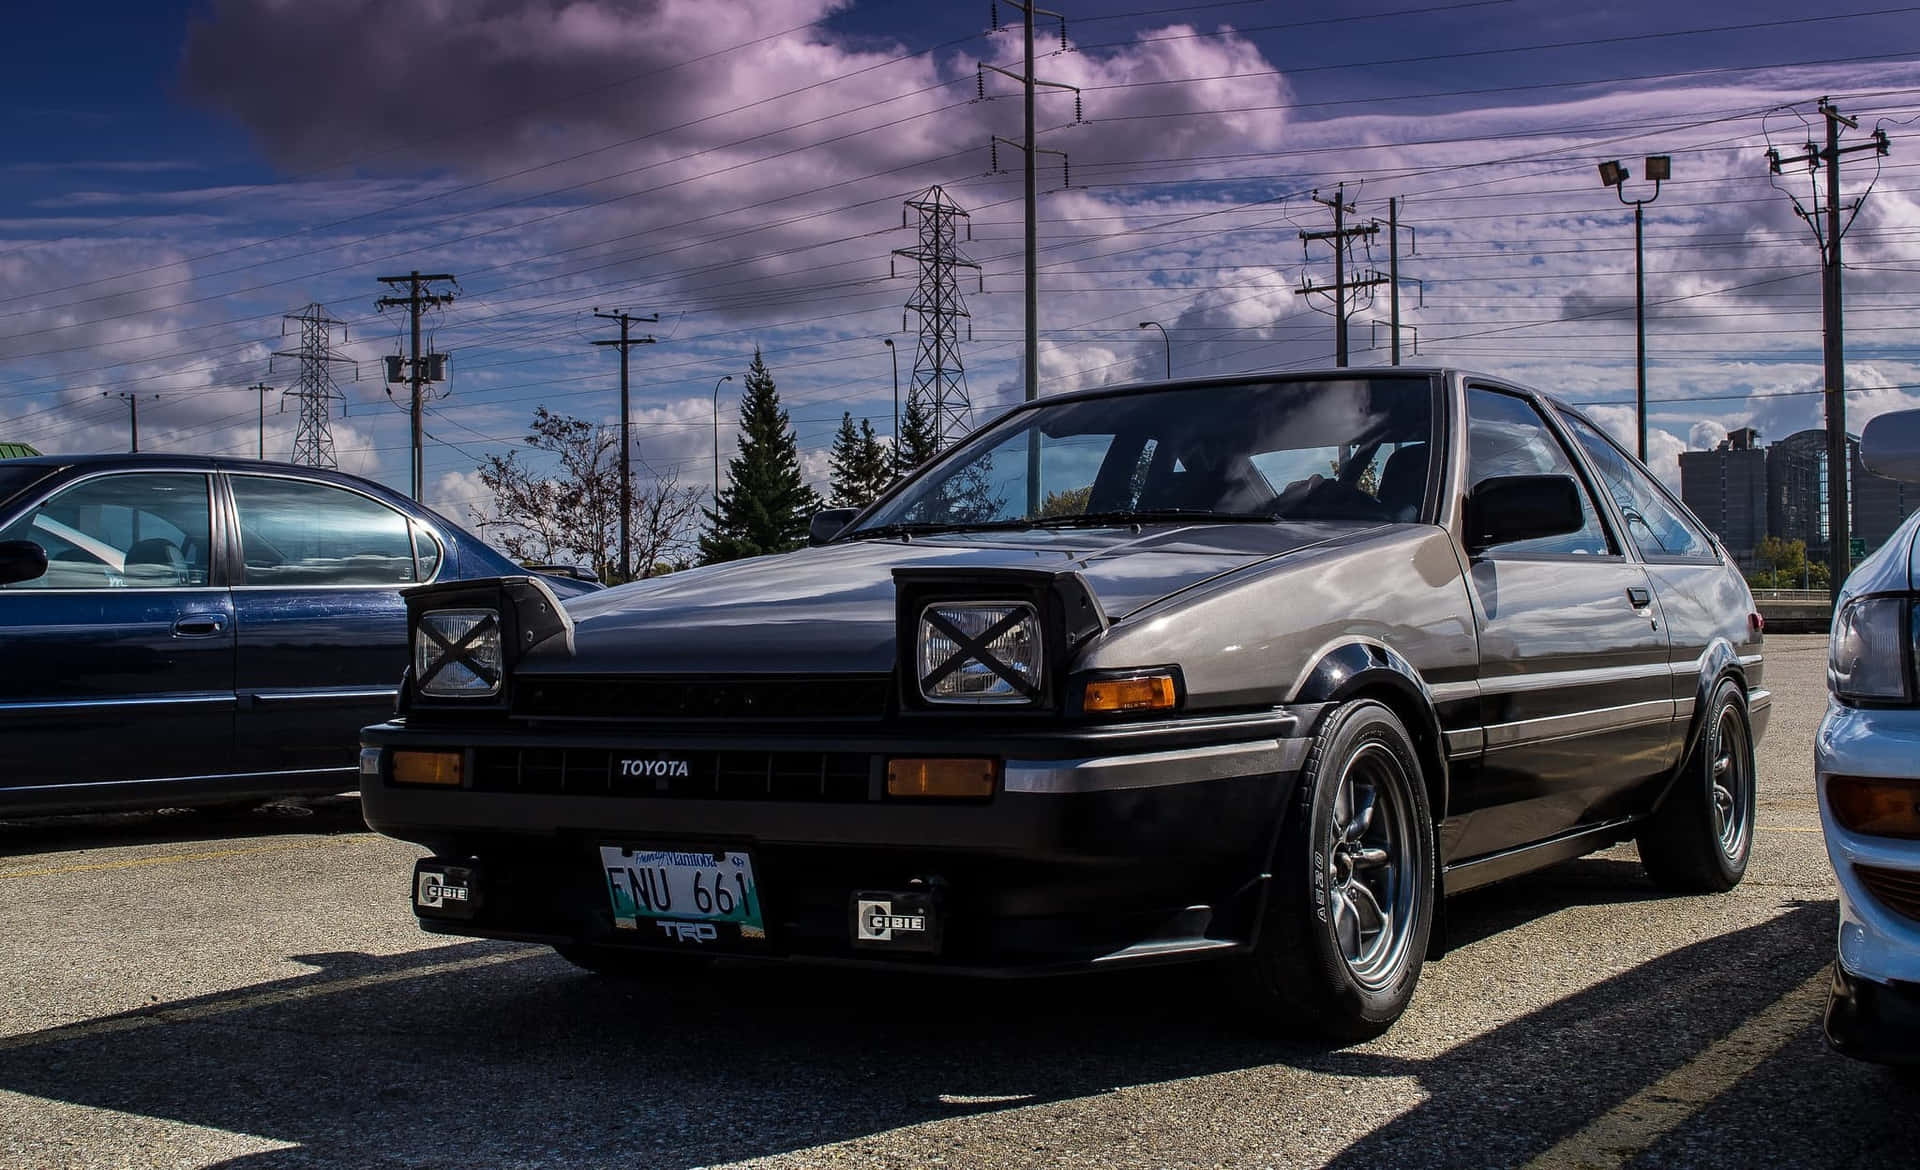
point(1148, 516)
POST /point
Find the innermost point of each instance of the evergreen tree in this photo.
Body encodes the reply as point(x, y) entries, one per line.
point(917, 442)
point(861, 466)
point(766, 504)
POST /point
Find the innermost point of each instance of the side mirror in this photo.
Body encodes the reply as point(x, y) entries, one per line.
point(21, 560)
point(827, 523)
point(1890, 446)
point(1507, 508)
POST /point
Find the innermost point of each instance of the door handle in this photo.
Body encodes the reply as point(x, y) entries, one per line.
point(199, 625)
point(1639, 598)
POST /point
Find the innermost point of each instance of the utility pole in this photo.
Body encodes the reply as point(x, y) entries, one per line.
point(418, 373)
point(626, 440)
point(133, 415)
point(1393, 273)
point(1839, 465)
point(313, 440)
point(1339, 237)
point(262, 389)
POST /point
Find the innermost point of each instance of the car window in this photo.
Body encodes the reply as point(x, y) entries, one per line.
point(1506, 435)
point(1657, 527)
point(148, 530)
point(297, 532)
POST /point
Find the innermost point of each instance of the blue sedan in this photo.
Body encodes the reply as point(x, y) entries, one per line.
point(183, 629)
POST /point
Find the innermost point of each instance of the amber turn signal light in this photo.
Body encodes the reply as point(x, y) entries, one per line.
point(440, 768)
point(972, 778)
point(1146, 692)
point(1876, 807)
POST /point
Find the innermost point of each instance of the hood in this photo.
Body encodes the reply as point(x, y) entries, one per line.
point(831, 609)
point(1893, 567)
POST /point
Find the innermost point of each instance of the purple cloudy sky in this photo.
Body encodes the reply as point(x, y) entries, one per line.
point(180, 175)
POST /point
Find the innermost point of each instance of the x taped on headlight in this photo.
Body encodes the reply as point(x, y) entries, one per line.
point(988, 652)
point(457, 653)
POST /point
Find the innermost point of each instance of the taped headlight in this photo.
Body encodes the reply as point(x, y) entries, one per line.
point(456, 653)
point(979, 652)
point(1867, 655)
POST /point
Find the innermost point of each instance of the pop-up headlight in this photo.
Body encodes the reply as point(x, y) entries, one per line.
point(979, 652)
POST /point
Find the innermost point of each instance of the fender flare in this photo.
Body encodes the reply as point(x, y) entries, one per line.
point(1719, 661)
point(1349, 668)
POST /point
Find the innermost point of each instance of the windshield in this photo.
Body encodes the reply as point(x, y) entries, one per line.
point(1336, 449)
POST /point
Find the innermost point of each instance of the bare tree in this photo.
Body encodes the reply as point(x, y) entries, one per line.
point(574, 512)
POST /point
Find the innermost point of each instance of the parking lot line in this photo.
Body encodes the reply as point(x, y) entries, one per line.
point(169, 859)
point(1630, 1128)
point(242, 1003)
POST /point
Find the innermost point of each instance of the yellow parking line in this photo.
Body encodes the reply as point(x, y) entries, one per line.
point(222, 1007)
point(169, 859)
point(1788, 828)
point(1630, 1128)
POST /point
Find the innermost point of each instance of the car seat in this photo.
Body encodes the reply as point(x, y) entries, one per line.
point(1403, 482)
point(156, 561)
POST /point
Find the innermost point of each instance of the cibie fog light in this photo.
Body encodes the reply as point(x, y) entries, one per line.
point(1867, 653)
point(979, 652)
point(456, 653)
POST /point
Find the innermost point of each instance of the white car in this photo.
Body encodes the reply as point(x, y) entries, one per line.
point(1867, 760)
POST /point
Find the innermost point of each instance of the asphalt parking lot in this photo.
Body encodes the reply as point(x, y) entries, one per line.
point(249, 990)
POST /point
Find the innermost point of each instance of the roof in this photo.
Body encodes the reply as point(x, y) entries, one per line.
point(17, 451)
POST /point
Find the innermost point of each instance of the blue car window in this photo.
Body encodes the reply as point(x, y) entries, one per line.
point(298, 532)
point(1507, 436)
point(149, 530)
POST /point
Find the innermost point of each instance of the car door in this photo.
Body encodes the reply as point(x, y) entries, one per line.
point(1575, 694)
point(119, 659)
point(322, 629)
point(1701, 601)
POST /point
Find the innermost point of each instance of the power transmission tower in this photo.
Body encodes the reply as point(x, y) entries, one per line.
point(1028, 147)
point(418, 372)
point(133, 415)
point(1839, 466)
point(313, 439)
point(1341, 238)
point(626, 440)
point(939, 382)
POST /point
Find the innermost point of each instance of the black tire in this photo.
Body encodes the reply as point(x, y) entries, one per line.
point(1316, 971)
point(629, 962)
point(1701, 837)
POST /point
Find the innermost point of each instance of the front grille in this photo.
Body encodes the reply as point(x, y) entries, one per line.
point(1899, 889)
point(629, 699)
point(708, 775)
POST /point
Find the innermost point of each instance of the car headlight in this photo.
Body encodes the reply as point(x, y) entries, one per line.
point(456, 653)
point(1870, 654)
point(979, 652)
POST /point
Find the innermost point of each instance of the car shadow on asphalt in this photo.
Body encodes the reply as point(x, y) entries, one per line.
point(28, 836)
point(525, 1061)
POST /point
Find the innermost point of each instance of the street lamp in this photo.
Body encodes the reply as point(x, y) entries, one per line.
point(1612, 174)
point(1165, 338)
point(716, 439)
point(888, 342)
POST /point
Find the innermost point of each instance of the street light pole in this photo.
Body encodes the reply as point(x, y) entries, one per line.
point(888, 342)
point(1165, 338)
point(716, 440)
point(1612, 174)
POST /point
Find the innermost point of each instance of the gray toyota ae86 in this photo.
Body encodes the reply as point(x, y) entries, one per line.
point(1249, 670)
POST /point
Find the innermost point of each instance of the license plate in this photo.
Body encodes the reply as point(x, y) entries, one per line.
point(687, 896)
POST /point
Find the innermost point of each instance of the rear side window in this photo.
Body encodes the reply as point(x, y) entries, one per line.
point(1507, 436)
point(1656, 525)
point(140, 531)
point(297, 532)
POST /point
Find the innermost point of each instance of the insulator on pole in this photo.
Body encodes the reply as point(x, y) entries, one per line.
point(993, 156)
point(994, 11)
point(1063, 34)
point(1076, 107)
point(980, 83)
point(1066, 171)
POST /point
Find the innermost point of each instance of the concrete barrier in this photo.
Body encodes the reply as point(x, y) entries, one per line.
point(1795, 611)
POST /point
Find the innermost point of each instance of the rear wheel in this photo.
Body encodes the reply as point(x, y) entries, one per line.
point(1351, 904)
point(1701, 837)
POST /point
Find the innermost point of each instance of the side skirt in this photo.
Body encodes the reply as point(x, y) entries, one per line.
point(1480, 871)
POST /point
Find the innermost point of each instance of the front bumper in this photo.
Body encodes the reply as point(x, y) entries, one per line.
point(1875, 1021)
point(1878, 942)
point(1101, 845)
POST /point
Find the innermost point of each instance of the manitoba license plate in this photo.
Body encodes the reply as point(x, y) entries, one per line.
point(688, 896)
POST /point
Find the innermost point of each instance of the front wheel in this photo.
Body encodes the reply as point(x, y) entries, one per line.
point(1351, 904)
point(1701, 837)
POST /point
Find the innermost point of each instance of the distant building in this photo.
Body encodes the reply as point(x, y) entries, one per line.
point(1797, 490)
point(1727, 488)
point(17, 451)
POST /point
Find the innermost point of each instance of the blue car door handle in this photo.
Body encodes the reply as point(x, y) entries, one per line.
point(200, 625)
